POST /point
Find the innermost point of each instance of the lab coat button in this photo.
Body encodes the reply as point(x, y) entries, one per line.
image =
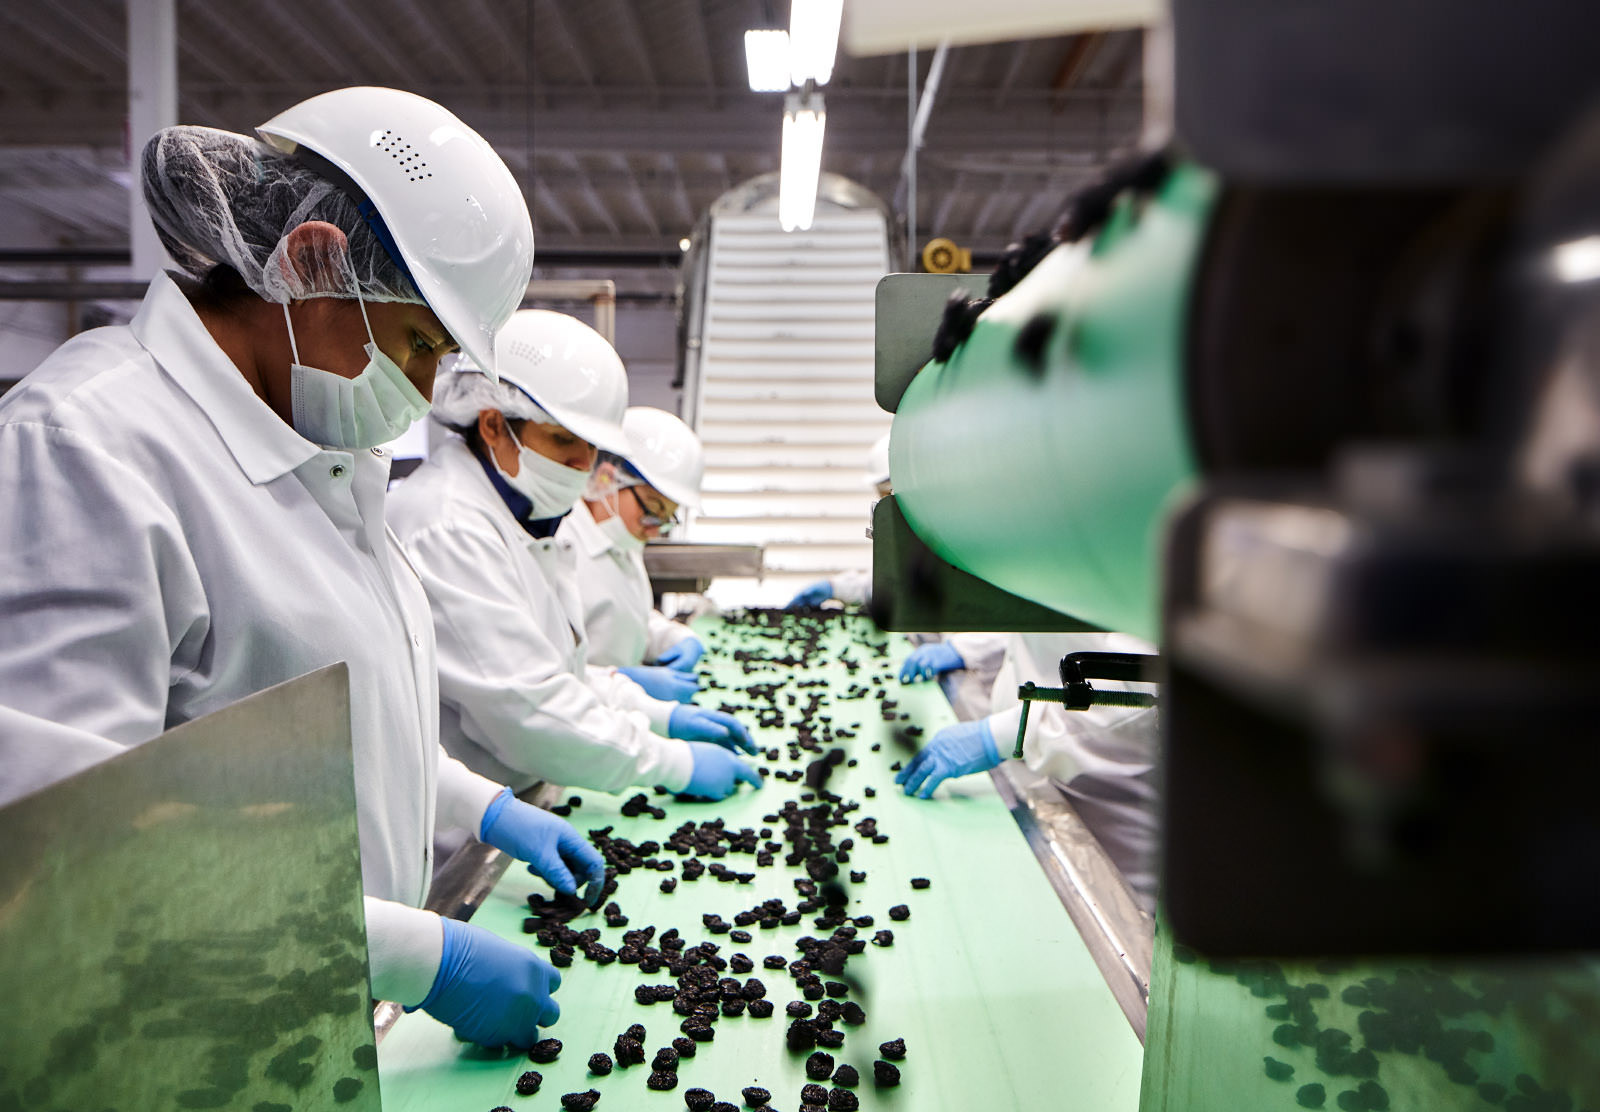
point(337, 470)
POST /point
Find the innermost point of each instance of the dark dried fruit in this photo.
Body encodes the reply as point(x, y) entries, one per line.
point(885, 1075)
point(843, 1100)
point(666, 1059)
point(814, 1094)
point(920, 882)
point(529, 1083)
point(799, 1009)
point(545, 1051)
point(600, 1064)
point(684, 1046)
point(629, 1052)
point(760, 1009)
point(580, 1102)
point(847, 1075)
point(894, 1049)
point(699, 1100)
point(819, 1067)
point(755, 1096)
point(662, 1080)
point(899, 913)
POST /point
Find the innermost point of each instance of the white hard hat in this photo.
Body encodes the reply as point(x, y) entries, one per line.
point(666, 453)
point(457, 216)
point(878, 461)
point(571, 370)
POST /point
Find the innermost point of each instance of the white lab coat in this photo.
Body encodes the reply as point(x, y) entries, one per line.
point(623, 627)
point(852, 586)
point(1103, 758)
point(172, 546)
point(519, 701)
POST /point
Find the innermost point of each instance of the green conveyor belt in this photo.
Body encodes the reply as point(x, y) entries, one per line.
point(999, 1003)
point(1516, 1036)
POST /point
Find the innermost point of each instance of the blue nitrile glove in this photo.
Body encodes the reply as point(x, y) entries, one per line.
point(550, 845)
point(717, 772)
point(815, 595)
point(663, 683)
point(683, 655)
point(691, 723)
point(493, 992)
point(927, 661)
point(954, 751)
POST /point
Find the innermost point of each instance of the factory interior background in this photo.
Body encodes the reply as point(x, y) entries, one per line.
point(998, 557)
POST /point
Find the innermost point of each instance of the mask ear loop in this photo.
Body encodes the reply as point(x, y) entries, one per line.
point(294, 348)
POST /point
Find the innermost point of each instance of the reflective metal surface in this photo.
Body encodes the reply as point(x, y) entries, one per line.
point(1118, 934)
point(181, 927)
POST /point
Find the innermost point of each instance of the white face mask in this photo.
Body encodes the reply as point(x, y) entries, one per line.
point(553, 488)
point(616, 531)
point(352, 413)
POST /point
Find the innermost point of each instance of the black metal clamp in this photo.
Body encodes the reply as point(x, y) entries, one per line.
point(1077, 693)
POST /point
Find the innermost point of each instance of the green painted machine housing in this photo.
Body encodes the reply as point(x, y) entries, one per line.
point(1051, 480)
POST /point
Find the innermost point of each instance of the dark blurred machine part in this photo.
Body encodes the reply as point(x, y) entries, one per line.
point(1426, 92)
point(1372, 445)
point(1379, 625)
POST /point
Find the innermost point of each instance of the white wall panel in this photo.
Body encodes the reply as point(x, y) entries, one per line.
point(785, 402)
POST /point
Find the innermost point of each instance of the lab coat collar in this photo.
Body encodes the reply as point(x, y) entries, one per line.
point(586, 533)
point(515, 501)
point(262, 444)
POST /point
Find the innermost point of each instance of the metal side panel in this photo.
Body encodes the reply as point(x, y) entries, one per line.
point(181, 926)
point(908, 308)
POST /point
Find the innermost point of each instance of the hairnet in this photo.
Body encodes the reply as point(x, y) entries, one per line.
point(611, 475)
point(459, 395)
point(221, 198)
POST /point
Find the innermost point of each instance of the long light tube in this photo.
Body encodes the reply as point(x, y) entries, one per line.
point(766, 57)
point(813, 39)
point(803, 123)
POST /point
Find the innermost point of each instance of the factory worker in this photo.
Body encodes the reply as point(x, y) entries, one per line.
point(519, 700)
point(964, 665)
point(192, 505)
point(1102, 759)
point(633, 498)
point(853, 585)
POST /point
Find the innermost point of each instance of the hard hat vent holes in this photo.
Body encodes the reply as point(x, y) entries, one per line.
point(404, 155)
point(533, 353)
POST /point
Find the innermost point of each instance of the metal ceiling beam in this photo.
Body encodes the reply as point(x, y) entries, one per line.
point(640, 201)
point(635, 32)
point(1076, 58)
point(52, 44)
point(557, 21)
point(1019, 59)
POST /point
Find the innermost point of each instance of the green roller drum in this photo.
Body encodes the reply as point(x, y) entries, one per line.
point(1051, 480)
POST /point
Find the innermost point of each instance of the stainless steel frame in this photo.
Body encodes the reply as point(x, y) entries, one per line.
point(1119, 934)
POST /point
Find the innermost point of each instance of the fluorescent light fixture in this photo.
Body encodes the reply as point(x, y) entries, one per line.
point(803, 123)
point(813, 39)
point(1578, 260)
point(766, 55)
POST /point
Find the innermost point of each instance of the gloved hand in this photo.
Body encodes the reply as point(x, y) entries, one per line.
point(691, 723)
point(927, 661)
point(550, 845)
point(664, 683)
point(815, 595)
point(683, 655)
point(717, 772)
point(954, 751)
point(493, 992)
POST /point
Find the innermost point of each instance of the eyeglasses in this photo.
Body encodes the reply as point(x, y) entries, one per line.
point(652, 519)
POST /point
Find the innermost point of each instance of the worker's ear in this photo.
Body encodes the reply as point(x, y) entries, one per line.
point(316, 257)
